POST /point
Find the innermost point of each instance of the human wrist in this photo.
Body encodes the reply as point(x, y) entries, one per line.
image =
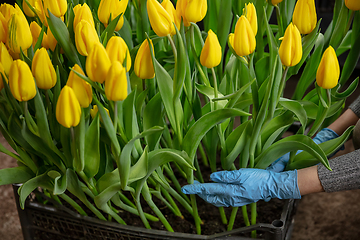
point(284, 185)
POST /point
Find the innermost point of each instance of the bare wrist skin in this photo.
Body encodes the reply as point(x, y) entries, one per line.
point(308, 181)
point(347, 119)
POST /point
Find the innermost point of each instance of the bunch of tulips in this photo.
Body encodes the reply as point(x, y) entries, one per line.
point(108, 99)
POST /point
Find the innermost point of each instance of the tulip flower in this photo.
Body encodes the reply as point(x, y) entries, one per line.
point(3, 28)
point(304, 16)
point(143, 66)
point(160, 19)
point(43, 70)
point(112, 8)
point(180, 11)
point(35, 32)
point(83, 12)
point(82, 89)
point(95, 110)
point(19, 34)
point(244, 37)
point(7, 11)
point(2, 74)
point(211, 53)
point(97, 63)
point(169, 7)
point(21, 81)
point(5, 58)
point(290, 50)
point(116, 83)
point(27, 9)
point(68, 110)
point(195, 10)
point(328, 72)
point(56, 7)
point(118, 50)
point(85, 37)
point(252, 17)
point(50, 40)
point(275, 2)
point(353, 4)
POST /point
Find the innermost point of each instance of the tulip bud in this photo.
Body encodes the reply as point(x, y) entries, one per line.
point(50, 40)
point(95, 110)
point(160, 19)
point(85, 37)
point(68, 110)
point(143, 66)
point(353, 4)
point(275, 2)
point(169, 7)
point(82, 89)
point(19, 35)
point(211, 53)
point(196, 10)
point(83, 12)
point(2, 74)
point(39, 8)
point(7, 11)
point(43, 70)
point(252, 17)
point(328, 72)
point(97, 63)
point(35, 32)
point(21, 81)
point(244, 37)
point(5, 58)
point(27, 9)
point(57, 7)
point(112, 8)
point(3, 28)
point(116, 83)
point(180, 11)
point(117, 51)
point(304, 16)
point(290, 50)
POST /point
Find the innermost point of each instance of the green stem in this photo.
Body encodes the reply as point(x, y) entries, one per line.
point(245, 215)
point(116, 105)
point(253, 218)
point(232, 218)
point(171, 201)
point(73, 204)
point(203, 155)
point(350, 21)
point(172, 46)
point(196, 214)
point(223, 215)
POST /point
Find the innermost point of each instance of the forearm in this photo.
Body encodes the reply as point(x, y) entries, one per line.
point(308, 181)
point(347, 119)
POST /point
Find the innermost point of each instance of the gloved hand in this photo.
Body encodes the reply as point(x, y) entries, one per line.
point(324, 135)
point(244, 186)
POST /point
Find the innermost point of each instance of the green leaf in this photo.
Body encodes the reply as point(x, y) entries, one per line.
point(346, 93)
point(297, 109)
point(15, 175)
point(60, 182)
point(279, 122)
point(345, 45)
point(209, 92)
point(109, 30)
point(92, 148)
point(351, 60)
point(203, 125)
point(180, 66)
point(304, 159)
point(288, 144)
point(340, 27)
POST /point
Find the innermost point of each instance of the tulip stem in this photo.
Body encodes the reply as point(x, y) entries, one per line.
point(116, 106)
point(282, 83)
point(350, 21)
point(172, 46)
point(280, 21)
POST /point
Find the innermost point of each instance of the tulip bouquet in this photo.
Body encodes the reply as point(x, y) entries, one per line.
point(115, 101)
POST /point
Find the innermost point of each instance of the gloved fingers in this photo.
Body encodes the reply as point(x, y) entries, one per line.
point(206, 188)
point(324, 135)
point(233, 177)
point(279, 164)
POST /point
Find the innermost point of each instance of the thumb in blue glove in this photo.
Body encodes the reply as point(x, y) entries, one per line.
point(324, 135)
point(245, 186)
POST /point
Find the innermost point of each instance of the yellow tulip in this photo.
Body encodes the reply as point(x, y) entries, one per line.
point(56, 7)
point(290, 50)
point(83, 12)
point(244, 37)
point(328, 72)
point(97, 63)
point(112, 8)
point(19, 35)
point(275, 2)
point(195, 10)
point(21, 81)
point(95, 110)
point(68, 110)
point(27, 9)
point(7, 10)
point(118, 50)
point(143, 66)
point(353, 4)
point(2, 74)
point(82, 89)
point(304, 16)
point(116, 83)
point(180, 11)
point(252, 17)
point(85, 37)
point(160, 19)
point(43, 70)
point(50, 40)
point(5, 58)
point(211, 53)
point(169, 7)
point(3, 28)
point(35, 32)
point(39, 7)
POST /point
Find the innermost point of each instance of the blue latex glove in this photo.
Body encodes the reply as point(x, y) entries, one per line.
point(324, 135)
point(244, 186)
